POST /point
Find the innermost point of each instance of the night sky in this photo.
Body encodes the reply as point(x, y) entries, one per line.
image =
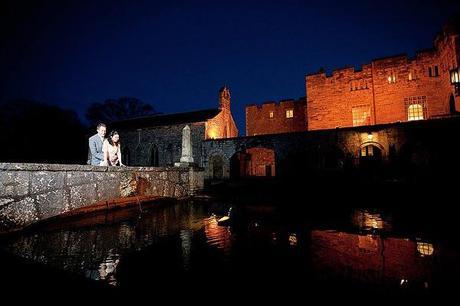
point(176, 55)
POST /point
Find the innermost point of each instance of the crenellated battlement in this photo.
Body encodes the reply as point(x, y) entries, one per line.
point(378, 92)
point(286, 115)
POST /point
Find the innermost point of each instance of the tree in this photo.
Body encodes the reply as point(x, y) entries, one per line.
point(112, 110)
point(41, 133)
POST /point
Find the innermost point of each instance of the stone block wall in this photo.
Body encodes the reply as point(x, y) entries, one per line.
point(159, 146)
point(34, 192)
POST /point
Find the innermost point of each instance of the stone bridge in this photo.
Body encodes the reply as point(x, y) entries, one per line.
point(420, 142)
point(34, 192)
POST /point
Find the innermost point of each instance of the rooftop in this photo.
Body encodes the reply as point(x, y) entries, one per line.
point(168, 119)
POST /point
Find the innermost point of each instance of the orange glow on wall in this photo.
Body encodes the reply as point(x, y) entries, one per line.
point(212, 134)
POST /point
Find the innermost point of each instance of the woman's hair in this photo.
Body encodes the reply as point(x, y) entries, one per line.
point(113, 133)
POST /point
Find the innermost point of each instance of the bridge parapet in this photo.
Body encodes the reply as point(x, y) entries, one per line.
point(34, 192)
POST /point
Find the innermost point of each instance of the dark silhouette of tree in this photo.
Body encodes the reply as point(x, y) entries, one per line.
point(35, 132)
point(112, 110)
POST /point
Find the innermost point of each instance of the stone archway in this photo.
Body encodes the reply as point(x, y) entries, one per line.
point(370, 155)
point(253, 162)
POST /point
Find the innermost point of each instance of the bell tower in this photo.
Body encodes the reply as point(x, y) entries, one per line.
point(224, 98)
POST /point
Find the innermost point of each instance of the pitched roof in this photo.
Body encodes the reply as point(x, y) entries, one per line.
point(168, 119)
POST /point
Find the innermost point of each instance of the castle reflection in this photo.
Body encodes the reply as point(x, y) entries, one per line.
point(186, 237)
point(371, 258)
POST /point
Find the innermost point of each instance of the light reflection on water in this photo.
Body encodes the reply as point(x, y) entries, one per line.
point(368, 220)
point(365, 251)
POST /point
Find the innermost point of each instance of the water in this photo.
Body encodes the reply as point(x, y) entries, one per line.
point(353, 250)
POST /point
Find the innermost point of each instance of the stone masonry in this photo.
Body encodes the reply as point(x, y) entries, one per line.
point(35, 192)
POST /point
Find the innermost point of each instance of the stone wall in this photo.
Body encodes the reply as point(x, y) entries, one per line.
point(35, 192)
point(432, 143)
point(159, 146)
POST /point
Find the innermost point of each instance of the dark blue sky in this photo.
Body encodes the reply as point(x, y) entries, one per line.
point(176, 55)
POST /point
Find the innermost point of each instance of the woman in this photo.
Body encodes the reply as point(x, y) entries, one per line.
point(112, 150)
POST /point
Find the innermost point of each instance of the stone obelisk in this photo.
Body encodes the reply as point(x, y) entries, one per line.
point(187, 151)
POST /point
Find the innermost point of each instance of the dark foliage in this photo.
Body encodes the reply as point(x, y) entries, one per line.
point(40, 133)
point(112, 110)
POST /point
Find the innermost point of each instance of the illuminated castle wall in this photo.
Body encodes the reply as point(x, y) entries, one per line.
point(387, 90)
point(272, 118)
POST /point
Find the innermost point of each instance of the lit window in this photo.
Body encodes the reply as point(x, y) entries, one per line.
point(361, 115)
point(433, 71)
point(415, 112)
point(271, 115)
point(392, 78)
point(454, 77)
point(289, 113)
point(411, 76)
point(367, 151)
point(425, 249)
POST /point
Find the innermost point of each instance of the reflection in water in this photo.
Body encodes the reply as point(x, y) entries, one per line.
point(108, 267)
point(189, 236)
point(96, 249)
point(424, 248)
point(186, 243)
point(293, 239)
point(219, 236)
point(372, 259)
point(370, 220)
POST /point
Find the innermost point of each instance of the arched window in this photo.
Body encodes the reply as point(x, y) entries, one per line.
point(415, 112)
point(154, 157)
point(371, 151)
point(169, 155)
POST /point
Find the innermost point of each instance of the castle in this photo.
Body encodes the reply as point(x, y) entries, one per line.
point(395, 113)
point(387, 90)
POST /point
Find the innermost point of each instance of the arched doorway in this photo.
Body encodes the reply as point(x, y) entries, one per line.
point(255, 162)
point(370, 156)
point(217, 167)
point(154, 157)
point(262, 162)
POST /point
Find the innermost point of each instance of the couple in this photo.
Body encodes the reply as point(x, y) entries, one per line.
point(105, 151)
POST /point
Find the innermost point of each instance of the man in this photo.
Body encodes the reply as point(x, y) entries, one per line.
point(95, 145)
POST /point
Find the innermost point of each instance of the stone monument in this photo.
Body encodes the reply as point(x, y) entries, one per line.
point(187, 151)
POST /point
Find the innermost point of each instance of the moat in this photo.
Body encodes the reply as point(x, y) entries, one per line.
point(181, 247)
